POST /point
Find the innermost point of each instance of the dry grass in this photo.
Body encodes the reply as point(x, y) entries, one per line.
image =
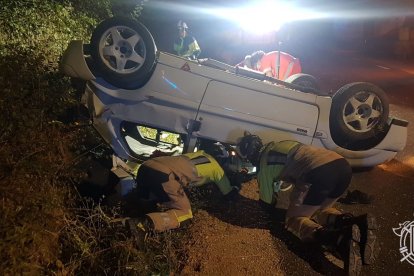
point(46, 227)
point(97, 242)
point(32, 193)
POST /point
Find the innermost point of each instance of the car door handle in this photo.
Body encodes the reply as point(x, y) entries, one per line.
point(193, 125)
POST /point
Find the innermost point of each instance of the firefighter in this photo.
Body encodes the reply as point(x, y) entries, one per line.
point(319, 178)
point(165, 178)
point(186, 45)
point(275, 64)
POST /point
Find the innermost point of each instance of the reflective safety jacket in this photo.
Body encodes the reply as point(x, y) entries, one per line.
point(209, 170)
point(187, 47)
point(290, 161)
point(195, 168)
point(289, 65)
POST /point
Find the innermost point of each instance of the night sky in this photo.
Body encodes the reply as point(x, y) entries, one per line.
point(224, 40)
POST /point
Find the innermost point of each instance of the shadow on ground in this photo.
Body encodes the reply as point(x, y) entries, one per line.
point(247, 212)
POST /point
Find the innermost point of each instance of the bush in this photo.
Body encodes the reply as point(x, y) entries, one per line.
point(40, 30)
point(37, 147)
point(96, 242)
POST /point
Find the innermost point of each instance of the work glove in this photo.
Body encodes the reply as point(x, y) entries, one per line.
point(233, 194)
point(282, 186)
point(238, 178)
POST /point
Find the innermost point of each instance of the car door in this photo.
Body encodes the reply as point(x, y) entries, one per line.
point(273, 112)
point(172, 96)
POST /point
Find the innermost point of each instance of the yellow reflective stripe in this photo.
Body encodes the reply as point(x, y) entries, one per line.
point(276, 158)
point(284, 146)
point(199, 160)
point(184, 217)
point(211, 171)
point(268, 173)
point(193, 47)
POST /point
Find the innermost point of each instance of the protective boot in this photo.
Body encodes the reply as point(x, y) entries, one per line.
point(367, 224)
point(344, 243)
point(139, 229)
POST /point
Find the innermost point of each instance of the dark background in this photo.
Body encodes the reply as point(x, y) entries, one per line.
point(371, 27)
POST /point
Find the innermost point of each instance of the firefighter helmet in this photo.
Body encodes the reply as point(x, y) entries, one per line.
point(250, 145)
point(255, 58)
point(247, 61)
point(182, 25)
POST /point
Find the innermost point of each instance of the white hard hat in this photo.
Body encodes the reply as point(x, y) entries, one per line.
point(182, 25)
point(247, 61)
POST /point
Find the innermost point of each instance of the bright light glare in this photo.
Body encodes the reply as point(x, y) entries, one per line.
point(265, 16)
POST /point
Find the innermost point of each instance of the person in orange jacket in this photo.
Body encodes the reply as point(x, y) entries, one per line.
point(276, 64)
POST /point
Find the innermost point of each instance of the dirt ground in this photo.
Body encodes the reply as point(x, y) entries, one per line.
point(233, 238)
point(241, 238)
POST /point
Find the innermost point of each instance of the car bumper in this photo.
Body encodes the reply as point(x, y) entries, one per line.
point(73, 63)
point(393, 142)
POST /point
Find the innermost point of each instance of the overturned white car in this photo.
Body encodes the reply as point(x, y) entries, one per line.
point(130, 84)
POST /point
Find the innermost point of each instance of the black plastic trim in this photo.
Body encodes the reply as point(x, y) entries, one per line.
point(399, 122)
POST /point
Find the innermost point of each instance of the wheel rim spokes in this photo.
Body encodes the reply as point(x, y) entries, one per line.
point(362, 112)
point(122, 50)
point(116, 36)
point(120, 63)
point(136, 58)
point(133, 40)
point(109, 51)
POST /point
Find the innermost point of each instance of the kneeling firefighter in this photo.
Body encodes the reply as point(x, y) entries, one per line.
point(319, 178)
point(166, 177)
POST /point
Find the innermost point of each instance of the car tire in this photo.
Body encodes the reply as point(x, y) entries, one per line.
point(124, 52)
point(359, 114)
point(304, 80)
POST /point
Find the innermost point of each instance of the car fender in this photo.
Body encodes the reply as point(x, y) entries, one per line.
point(73, 62)
point(393, 142)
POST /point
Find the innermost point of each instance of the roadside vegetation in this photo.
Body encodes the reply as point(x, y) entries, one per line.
point(46, 227)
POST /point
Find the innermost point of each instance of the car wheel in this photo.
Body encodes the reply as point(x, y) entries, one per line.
point(124, 52)
point(304, 80)
point(359, 115)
